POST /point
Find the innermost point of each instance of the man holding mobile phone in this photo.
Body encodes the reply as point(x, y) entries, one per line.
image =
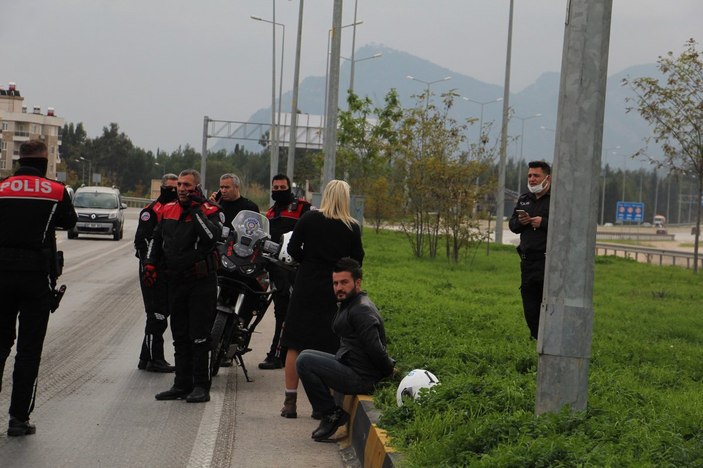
point(184, 244)
point(530, 219)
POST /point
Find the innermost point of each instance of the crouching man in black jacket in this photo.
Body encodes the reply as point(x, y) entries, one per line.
point(361, 360)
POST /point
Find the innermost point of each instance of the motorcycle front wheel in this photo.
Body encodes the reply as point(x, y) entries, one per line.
point(218, 338)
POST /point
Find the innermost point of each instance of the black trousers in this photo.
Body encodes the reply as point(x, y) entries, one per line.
point(282, 280)
point(26, 295)
point(156, 308)
point(531, 290)
point(192, 305)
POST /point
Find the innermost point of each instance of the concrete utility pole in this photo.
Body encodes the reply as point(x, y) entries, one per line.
point(273, 136)
point(203, 157)
point(330, 143)
point(500, 195)
point(566, 320)
point(294, 104)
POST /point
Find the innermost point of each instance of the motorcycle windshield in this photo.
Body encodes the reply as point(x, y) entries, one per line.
point(250, 227)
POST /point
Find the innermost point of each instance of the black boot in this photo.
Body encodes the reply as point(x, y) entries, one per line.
point(271, 362)
point(173, 393)
point(198, 395)
point(20, 428)
point(159, 365)
point(331, 421)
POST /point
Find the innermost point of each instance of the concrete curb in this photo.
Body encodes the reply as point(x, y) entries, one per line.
point(371, 444)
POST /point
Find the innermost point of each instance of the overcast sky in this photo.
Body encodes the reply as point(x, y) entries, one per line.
point(156, 67)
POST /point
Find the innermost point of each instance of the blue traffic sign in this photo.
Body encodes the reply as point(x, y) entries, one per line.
point(629, 212)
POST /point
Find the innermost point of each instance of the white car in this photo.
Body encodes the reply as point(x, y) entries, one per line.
point(100, 211)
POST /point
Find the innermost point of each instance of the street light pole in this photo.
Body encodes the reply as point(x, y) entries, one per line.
point(327, 65)
point(353, 51)
point(428, 84)
point(330, 143)
point(500, 196)
point(482, 104)
point(522, 142)
point(353, 61)
point(275, 122)
point(292, 143)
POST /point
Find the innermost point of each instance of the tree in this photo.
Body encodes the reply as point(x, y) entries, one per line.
point(673, 107)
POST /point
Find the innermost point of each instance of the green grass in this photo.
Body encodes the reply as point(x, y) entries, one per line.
point(464, 323)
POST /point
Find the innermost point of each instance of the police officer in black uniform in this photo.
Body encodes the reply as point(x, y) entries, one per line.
point(283, 214)
point(184, 244)
point(155, 298)
point(31, 206)
point(530, 219)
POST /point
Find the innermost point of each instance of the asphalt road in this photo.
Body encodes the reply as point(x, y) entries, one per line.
point(95, 409)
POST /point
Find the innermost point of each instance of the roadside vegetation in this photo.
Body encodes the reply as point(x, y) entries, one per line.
point(463, 322)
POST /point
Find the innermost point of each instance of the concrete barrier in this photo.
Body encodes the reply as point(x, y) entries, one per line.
point(370, 443)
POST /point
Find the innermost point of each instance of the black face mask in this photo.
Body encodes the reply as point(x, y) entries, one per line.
point(39, 164)
point(281, 196)
point(168, 194)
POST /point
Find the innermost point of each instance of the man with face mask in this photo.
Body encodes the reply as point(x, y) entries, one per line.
point(155, 298)
point(530, 219)
point(283, 215)
point(31, 207)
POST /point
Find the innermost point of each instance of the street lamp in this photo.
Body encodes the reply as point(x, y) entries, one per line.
point(274, 125)
point(482, 104)
point(522, 144)
point(90, 170)
point(355, 61)
point(428, 84)
point(605, 174)
point(82, 170)
point(327, 69)
point(163, 169)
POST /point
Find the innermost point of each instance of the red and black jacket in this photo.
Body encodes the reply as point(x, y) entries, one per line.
point(31, 207)
point(185, 236)
point(149, 217)
point(282, 218)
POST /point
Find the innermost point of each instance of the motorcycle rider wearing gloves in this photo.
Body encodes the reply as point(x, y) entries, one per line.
point(361, 361)
point(31, 207)
point(184, 245)
point(283, 214)
point(155, 298)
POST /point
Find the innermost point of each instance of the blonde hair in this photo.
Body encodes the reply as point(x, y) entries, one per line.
point(335, 202)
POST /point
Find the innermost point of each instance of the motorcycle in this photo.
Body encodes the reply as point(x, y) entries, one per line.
point(244, 289)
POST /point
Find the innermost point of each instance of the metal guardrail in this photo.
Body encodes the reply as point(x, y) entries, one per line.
point(134, 202)
point(649, 255)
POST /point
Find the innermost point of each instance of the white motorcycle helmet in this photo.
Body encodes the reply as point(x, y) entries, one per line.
point(283, 254)
point(412, 383)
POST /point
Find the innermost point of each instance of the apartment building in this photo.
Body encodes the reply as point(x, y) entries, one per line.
point(18, 125)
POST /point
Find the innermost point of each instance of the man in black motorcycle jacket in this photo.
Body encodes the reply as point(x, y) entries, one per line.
point(184, 246)
point(151, 357)
point(361, 360)
point(31, 206)
point(283, 215)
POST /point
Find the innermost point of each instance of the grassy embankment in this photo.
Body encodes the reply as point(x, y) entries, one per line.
point(464, 323)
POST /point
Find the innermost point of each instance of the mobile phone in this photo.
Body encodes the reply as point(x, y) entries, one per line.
point(521, 212)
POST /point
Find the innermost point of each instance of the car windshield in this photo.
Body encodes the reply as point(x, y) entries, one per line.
point(103, 200)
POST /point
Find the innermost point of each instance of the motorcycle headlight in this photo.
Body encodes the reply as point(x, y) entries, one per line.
point(247, 269)
point(227, 263)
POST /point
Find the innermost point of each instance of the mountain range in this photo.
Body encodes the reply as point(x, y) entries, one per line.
point(623, 132)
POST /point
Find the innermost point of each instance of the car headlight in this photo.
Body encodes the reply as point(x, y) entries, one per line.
point(112, 215)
